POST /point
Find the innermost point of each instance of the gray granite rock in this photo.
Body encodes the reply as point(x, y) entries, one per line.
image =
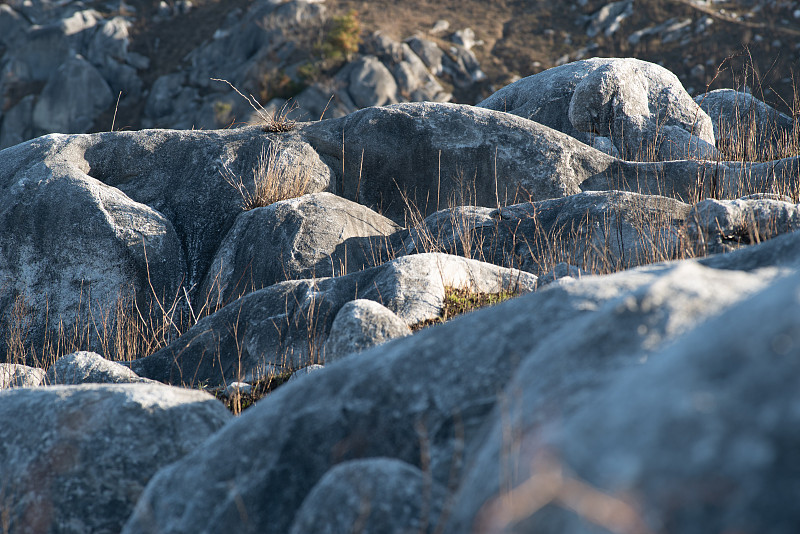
point(76, 458)
point(316, 235)
point(287, 324)
point(359, 325)
point(13, 375)
point(373, 495)
point(84, 367)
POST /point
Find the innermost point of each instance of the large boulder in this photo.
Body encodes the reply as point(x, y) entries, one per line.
point(748, 126)
point(370, 82)
point(570, 338)
point(178, 174)
point(722, 225)
point(73, 97)
point(76, 458)
point(286, 324)
point(374, 495)
point(599, 232)
point(641, 106)
point(428, 155)
point(700, 438)
point(75, 253)
point(316, 235)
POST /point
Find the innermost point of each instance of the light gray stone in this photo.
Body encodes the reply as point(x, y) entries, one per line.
point(288, 323)
point(74, 96)
point(433, 153)
point(429, 52)
point(84, 367)
point(628, 99)
point(740, 118)
point(74, 248)
point(76, 458)
point(598, 232)
point(372, 495)
point(177, 174)
point(13, 375)
point(570, 340)
point(644, 109)
point(371, 83)
point(361, 324)
point(313, 236)
point(465, 38)
point(654, 437)
point(723, 225)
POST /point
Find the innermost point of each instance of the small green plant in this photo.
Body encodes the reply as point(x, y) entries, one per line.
point(309, 71)
point(343, 37)
point(458, 301)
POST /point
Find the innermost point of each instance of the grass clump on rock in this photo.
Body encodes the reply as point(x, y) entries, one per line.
point(272, 182)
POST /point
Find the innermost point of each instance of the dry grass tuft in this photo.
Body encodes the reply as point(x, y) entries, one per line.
point(272, 182)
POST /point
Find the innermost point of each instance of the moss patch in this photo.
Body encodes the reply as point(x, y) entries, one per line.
point(459, 301)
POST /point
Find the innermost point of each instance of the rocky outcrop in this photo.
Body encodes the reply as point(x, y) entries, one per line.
point(314, 236)
point(599, 232)
point(562, 352)
point(723, 225)
point(89, 221)
point(286, 324)
point(76, 458)
point(642, 107)
point(747, 125)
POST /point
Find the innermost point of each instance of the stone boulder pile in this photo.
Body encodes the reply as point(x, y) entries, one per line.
point(639, 375)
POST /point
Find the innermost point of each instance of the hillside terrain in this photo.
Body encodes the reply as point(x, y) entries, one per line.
point(442, 281)
point(709, 45)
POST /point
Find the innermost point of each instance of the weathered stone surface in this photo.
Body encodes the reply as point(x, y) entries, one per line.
point(89, 368)
point(723, 225)
point(13, 375)
point(572, 341)
point(361, 324)
point(374, 495)
point(714, 410)
point(73, 97)
point(287, 324)
point(74, 247)
point(177, 174)
point(642, 106)
point(313, 236)
point(599, 232)
point(437, 152)
point(371, 83)
point(740, 118)
point(76, 458)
